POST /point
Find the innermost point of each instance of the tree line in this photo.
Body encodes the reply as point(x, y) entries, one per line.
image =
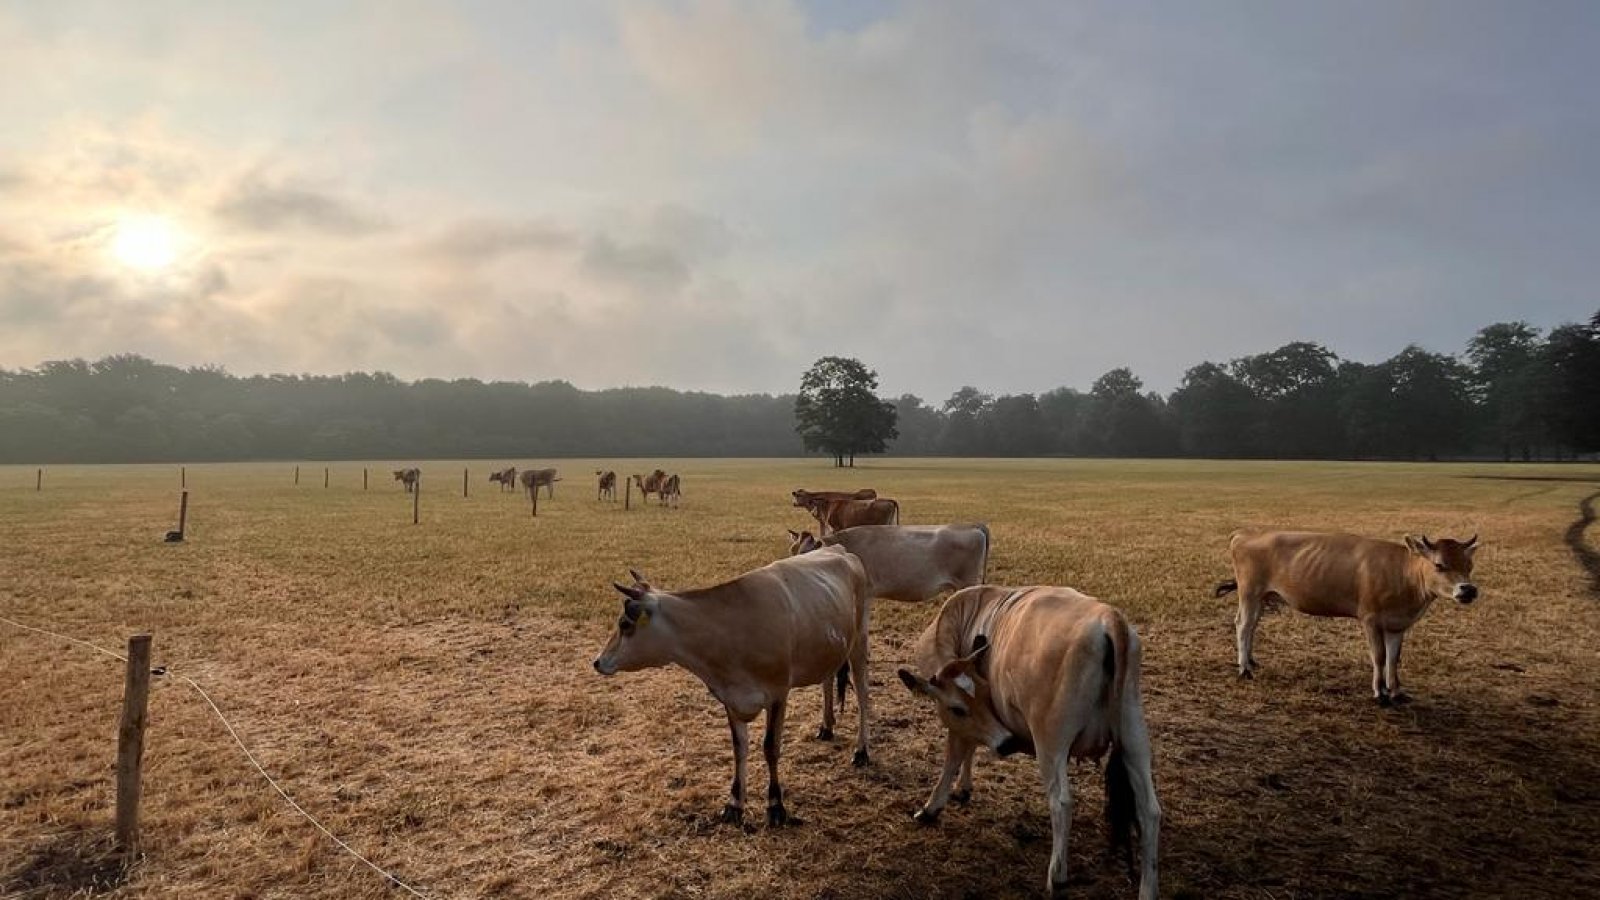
point(1514, 393)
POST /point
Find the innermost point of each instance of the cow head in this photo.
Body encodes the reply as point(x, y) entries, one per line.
point(638, 641)
point(802, 542)
point(961, 695)
point(1447, 566)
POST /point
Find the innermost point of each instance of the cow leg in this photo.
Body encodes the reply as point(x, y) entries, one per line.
point(1392, 641)
point(859, 675)
point(1135, 746)
point(1058, 790)
point(1249, 617)
point(963, 794)
point(734, 812)
point(1375, 649)
point(956, 751)
point(771, 745)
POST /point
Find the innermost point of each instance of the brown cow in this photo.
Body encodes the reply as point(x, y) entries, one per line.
point(533, 479)
point(803, 498)
point(608, 485)
point(408, 478)
point(650, 484)
point(834, 515)
point(1385, 586)
point(1054, 673)
point(671, 490)
point(793, 622)
point(506, 478)
point(910, 563)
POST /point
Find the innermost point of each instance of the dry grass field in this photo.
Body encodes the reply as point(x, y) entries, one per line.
point(426, 690)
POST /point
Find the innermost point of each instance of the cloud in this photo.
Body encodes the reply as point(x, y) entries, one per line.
point(257, 204)
point(485, 240)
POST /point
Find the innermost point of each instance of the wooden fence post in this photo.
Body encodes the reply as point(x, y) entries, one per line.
point(183, 476)
point(363, 478)
point(416, 498)
point(130, 742)
point(296, 474)
point(324, 476)
point(627, 499)
point(38, 481)
point(463, 482)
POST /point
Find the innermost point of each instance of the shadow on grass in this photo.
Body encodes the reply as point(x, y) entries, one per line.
point(1586, 555)
point(69, 864)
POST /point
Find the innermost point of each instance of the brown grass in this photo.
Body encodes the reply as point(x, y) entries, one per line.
point(426, 690)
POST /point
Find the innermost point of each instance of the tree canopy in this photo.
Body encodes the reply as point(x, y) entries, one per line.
point(838, 410)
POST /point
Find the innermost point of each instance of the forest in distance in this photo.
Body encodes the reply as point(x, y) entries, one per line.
point(1514, 392)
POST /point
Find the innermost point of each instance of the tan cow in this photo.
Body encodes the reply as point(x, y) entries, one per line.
point(1054, 673)
point(910, 563)
point(608, 485)
point(671, 490)
point(650, 484)
point(408, 478)
point(506, 478)
point(1384, 586)
point(791, 623)
point(836, 514)
point(533, 479)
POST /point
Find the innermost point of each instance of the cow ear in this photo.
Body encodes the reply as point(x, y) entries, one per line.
point(1418, 545)
point(793, 535)
point(914, 682)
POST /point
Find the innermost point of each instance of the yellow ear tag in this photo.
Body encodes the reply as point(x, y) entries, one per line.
point(644, 617)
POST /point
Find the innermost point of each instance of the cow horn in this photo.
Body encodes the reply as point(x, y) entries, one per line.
point(632, 593)
point(637, 578)
point(1473, 541)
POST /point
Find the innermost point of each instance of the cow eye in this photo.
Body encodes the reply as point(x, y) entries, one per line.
point(1439, 566)
point(959, 712)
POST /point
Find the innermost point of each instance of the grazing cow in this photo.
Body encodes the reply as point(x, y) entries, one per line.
point(1383, 585)
point(804, 498)
point(671, 490)
point(910, 563)
point(650, 484)
point(533, 479)
point(608, 485)
point(836, 514)
point(1054, 673)
point(408, 478)
point(506, 478)
point(793, 622)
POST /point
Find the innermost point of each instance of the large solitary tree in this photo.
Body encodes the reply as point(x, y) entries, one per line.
point(838, 410)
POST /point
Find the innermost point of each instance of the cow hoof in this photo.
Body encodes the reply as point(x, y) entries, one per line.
point(1253, 664)
point(777, 816)
point(1246, 675)
point(961, 798)
point(923, 817)
point(825, 733)
point(732, 815)
point(860, 759)
point(1383, 700)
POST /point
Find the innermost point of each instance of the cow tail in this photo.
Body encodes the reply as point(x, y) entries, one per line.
point(1121, 808)
point(987, 543)
point(1227, 587)
point(842, 684)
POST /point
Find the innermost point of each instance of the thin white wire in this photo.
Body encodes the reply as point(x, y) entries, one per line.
point(247, 754)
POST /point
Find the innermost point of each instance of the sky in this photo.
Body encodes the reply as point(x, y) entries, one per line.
point(711, 195)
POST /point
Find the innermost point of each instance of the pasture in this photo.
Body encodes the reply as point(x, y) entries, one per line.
point(426, 690)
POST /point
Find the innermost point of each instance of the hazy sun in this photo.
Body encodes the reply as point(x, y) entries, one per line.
point(147, 243)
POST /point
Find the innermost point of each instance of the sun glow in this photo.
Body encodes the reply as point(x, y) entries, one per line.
point(147, 243)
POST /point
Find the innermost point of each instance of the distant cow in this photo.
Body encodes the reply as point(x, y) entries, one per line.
point(650, 484)
point(1050, 672)
point(1385, 586)
point(533, 479)
point(793, 622)
point(839, 513)
point(671, 490)
point(506, 478)
point(911, 563)
point(408, 478)
point(608, 485)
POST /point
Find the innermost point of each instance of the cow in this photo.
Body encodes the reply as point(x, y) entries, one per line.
point(608, 485)
point(671, 490)
point(836, 514)
point(1383, 585)
point(803, 498)
point(793, 622)
point(506, 478)
point(650, 484)
point(408, 478)
point(1051, 672)
point(910, 563)
point(533, 479)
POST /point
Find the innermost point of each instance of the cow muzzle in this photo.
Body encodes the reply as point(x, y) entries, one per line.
point(604, 666)
point(1466, 592)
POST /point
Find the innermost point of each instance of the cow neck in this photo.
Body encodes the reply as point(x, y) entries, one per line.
point(1420, 580)
point(697, 640)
